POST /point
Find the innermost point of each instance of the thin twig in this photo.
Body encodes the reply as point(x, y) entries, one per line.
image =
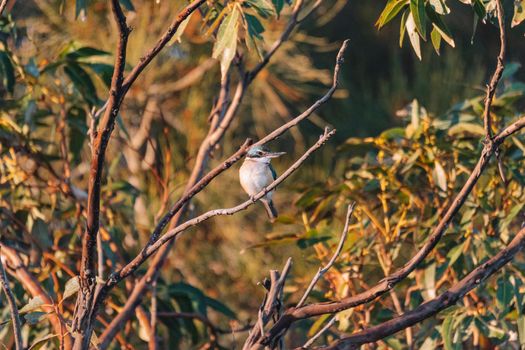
point(386, 284)
point(491, 88)
point(322, 270)
point(152, 345)
point(270, 305)
point(143, 256)
point(207, 145)
point(3, 5)
point(35, 289)
point(318, 334)
point(15, 317)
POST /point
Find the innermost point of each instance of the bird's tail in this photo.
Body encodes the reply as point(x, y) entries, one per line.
point(270, 209)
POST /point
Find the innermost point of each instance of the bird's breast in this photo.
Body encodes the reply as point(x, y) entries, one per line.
point(254, 177)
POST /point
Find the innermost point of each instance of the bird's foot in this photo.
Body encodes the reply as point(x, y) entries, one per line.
point(252, 198)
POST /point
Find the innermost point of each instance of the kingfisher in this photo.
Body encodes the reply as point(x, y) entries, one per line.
point(256, 173)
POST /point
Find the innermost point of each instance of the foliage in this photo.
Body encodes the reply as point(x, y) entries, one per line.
point(55, 70)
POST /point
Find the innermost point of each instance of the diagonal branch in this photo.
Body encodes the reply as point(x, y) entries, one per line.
point(15, 317)
point(385, 285)
point(171, 234)
point(3, 5)
point(161, 43)
point(434, 306)
point(34, 287)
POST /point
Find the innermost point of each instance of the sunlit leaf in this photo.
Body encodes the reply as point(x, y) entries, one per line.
point(33, 304)
point(435, 37)
point(392, 8)
point(417, 9)
point(439, 175)
point(71, 288)
point(413, 35)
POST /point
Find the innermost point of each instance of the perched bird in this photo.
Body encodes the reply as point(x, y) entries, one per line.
point(256, 173)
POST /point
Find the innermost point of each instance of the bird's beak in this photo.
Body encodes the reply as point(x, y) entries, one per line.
point(274, 154)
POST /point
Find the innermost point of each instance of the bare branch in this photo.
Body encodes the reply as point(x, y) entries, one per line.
point(491, 88)
point(322, 270)
point(270, 305)
point(33, 287)
point(335, 83)
point(3, 5)
point(153, 345)
point(207, 145)
point(163, 41)
point(15, 317)
point(294, 314)
point(139, 259)
point(432, 307)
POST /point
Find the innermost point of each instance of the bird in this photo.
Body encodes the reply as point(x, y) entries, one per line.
point(256, 173)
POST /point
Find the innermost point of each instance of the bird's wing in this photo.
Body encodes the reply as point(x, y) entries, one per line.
point(274, 173)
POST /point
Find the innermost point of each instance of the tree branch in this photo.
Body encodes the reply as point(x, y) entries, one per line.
point(33, 287)
point(386, 284)
point(214, 135)
point(149, 250)
point(322, 270)
point(491, 88)
point(15, 317)
point(163, 40)
point(3, 5)
point(432, 307)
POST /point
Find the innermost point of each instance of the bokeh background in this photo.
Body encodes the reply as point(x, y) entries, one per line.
point(227, 257)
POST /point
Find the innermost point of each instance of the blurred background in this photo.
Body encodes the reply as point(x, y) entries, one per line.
point(164, 119)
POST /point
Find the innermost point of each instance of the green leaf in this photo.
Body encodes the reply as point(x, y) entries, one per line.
point(226, 42)
point(440, 26)
point(479, 8)
point(7, 71)
point(264, 8)
point(439, 176)
point(127, 4)
point(102, 70)
point(417, 9)
point(402, 27)
point(454, 253)
point(33, 304)
point(504, 295)
point(40, 233)
point(446, 332)
point(71, 288)
point(220, 307)
point(413, 36)
point(82, 82)
point(86, 51)
point(435, 37)
point(77, 132)
point(34, 317)
point(278, 5)
point(254, 29)
point(80, 8)
point(392, 8)
point(521, 330)
point(519, 12)
point(439, 6)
